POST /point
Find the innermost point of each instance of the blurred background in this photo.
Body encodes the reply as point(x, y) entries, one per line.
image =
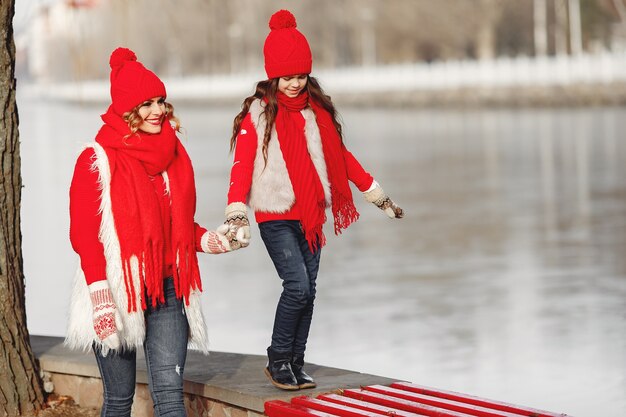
point(496, 124)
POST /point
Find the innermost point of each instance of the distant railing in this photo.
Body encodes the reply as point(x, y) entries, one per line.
point(599, 68)
point(503, 72)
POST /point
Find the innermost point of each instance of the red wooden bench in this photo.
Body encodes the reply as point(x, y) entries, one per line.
point(400, 399)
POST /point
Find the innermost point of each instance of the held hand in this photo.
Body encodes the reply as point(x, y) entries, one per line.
point(378, 197)
point(239, 225)
point(106, 319)
point(217, 241)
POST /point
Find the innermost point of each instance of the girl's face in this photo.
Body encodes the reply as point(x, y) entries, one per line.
point(152, 112)
point(292, 85)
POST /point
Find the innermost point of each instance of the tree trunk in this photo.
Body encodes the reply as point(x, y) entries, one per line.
point(490, 12)
point(575, 27)
point(560, 27)
point(21, 390)
point(540, 33)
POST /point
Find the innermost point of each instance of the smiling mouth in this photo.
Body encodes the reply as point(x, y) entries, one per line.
point(153, 122)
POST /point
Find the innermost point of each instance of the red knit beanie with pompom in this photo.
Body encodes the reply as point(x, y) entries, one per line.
point(131, 82)
point(286, 50)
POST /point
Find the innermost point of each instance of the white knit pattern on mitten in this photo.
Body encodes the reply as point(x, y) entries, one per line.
point(104, 314)
point(237, 218)
point(216, 241)
point(236, 209)
point(377, 196)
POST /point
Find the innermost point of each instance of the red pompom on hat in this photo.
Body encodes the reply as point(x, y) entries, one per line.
point(286, 50)
point(131, 82)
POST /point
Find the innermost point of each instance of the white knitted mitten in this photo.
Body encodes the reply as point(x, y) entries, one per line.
point(237, 219)
point(216, 241)
point(106, 319)
point(377, 196)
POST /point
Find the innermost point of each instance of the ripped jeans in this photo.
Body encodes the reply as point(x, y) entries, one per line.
point(165, 348)
point(297, 267)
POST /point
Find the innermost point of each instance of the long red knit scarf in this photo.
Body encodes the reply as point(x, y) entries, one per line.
point(136, 212)
point(306, 183)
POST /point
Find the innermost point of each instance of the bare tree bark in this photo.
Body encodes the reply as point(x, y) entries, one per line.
point(561, 27)
point(486, 34)
point(21, 390)
point(620, 7)
point(621, 10)
point(575, 27)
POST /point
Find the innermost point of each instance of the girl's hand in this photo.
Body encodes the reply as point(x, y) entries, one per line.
point(381, 200)
point(239, 225)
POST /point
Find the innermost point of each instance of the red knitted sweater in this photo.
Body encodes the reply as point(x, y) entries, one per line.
point(243, 167)
point(85, 220)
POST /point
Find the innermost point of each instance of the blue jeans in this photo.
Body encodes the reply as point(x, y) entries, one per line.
point(165, 348)
point(297, 267)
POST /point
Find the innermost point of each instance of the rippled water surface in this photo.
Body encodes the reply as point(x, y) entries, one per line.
point(506, 279)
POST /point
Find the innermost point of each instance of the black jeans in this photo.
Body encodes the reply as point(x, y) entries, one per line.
point(165, 348)
point(297, 267)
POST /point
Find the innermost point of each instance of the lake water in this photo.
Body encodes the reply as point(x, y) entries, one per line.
point(506, 279)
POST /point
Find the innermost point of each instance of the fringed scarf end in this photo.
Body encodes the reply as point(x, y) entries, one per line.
point(344, 212)
point(315, 238)
point(187, 274)
point(315, 235)
point(151, 267)
point(129, 286)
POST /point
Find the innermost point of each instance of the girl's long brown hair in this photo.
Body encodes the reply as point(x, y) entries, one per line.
point(268, 89)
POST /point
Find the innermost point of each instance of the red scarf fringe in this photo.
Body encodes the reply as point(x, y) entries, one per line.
point(344, 211)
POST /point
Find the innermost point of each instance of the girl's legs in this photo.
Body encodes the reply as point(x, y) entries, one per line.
point(165, 347)
point(312, 261)
point(117, 370)
point(297, 267)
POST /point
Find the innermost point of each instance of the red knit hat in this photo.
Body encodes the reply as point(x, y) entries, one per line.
point(286, 50)
point(131, 82)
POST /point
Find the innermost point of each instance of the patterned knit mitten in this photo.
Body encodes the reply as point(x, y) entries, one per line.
point(216, 241)
point(237, 219)
point(106, 319)
point(378, 197)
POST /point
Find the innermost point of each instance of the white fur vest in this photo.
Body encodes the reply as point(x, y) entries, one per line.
point(80, 333)
point(271, 189)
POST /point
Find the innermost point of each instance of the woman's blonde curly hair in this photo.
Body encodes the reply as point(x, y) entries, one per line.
point(134, 120)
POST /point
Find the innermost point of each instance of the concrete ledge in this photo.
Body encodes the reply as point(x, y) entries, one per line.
point(221, 384)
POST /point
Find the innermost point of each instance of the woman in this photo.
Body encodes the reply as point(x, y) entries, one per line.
point(132, 206)
point(290, 164)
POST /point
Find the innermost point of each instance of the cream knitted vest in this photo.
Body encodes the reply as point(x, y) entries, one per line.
point(80, 332)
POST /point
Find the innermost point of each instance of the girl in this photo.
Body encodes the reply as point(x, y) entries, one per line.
point(290, 163)
point(132, 206)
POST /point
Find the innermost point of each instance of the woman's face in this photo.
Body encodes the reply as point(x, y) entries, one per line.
point(152, 112)
point(292, 85)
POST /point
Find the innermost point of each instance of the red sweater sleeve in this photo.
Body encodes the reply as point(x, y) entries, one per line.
point(243, 162)
point(200, 231)
point(359, 176)
point(85, 218)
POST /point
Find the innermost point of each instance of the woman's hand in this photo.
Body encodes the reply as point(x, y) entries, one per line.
point(106, 319)
point(218, 241)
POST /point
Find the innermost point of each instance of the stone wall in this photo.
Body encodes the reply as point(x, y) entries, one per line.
point(87, 392)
